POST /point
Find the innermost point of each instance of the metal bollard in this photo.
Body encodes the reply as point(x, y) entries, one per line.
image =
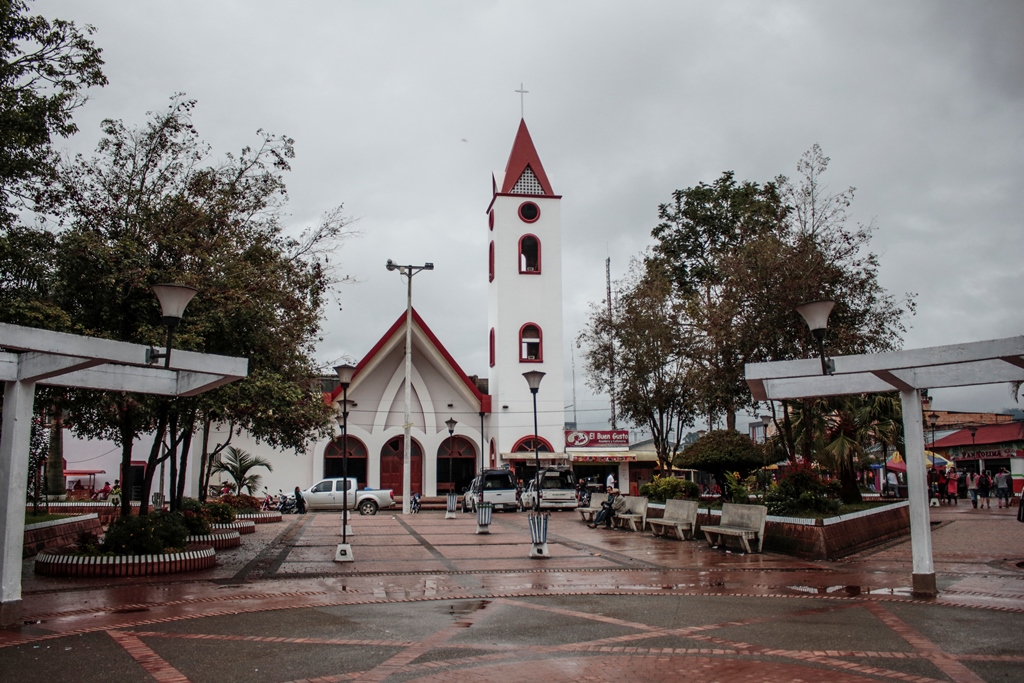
point(483, 517)
point(452, 499)
point(539, 534)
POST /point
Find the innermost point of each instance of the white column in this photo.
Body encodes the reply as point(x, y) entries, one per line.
point(917, 492)
point(14, 445)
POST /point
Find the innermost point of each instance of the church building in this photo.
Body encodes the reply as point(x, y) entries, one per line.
point(494, 420)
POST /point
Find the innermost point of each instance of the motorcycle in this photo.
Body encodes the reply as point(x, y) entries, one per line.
point(286, 505)
point(414, 504)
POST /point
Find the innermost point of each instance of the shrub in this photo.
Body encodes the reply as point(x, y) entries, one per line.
point(241, 502)
point(721, 451)
point(219, 513)
point(803, 491)
point(145, 534)
point(739, 490)
point(661, 489)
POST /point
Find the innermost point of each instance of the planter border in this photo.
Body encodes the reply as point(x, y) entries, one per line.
point(242, 526)
point(222, 540)
point(50, 563)
point(264, 517)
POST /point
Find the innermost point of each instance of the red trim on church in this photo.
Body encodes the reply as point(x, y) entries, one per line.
point(524, 154)
point(485, 400)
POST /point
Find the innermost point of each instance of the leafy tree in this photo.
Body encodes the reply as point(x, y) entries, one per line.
point(45, 69)
point(637, 354)
point(721, 451)
point(238, 464)
point(150, 207)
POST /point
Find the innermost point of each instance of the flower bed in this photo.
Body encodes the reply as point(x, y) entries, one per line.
point(55, 563)
point(242, 526)
point(221, 540)
point(260, 517)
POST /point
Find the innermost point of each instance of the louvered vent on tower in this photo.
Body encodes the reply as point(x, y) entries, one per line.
point(528, 183)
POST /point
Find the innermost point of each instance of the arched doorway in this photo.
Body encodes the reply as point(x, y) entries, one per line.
point(456, 464)
point(392, 458)
point(523, 456)
point(333, 460)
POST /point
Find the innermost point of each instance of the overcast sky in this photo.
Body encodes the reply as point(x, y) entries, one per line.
point(401, 111)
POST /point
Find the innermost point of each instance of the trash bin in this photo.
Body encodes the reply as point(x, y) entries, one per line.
point(484, 511)
point(452, 500)
point(538, 534)
point(158, 500)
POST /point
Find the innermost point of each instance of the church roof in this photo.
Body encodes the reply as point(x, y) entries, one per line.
point(425, 336)
point(524, 174)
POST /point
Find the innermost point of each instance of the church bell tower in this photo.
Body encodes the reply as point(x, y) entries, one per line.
point(524, 307)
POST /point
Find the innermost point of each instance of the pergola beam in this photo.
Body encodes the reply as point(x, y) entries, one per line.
point(30, 357)
point(908, 372)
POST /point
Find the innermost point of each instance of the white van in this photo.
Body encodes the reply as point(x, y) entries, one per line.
point(497, 487)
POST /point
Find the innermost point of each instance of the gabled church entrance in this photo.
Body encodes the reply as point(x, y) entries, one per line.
point(392, 458)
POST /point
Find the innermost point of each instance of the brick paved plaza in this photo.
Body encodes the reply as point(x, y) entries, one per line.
point(427, 599)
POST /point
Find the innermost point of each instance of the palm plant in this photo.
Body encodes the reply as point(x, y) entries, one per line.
point(237, 463)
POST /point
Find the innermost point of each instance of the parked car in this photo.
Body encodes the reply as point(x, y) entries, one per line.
point(329, 494)
point(497, 487)
point(557, 490)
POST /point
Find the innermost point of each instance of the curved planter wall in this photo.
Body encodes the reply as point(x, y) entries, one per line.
point(220, 540)
point(242, 526)
point(259, 517)
point(49, 563)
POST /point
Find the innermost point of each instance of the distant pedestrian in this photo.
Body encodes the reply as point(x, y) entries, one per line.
point(609, 483)
point(300, 502)
point(985, 489)
point(952, 480)
point(1003, 487)
point(942, 486)
point(973, 480)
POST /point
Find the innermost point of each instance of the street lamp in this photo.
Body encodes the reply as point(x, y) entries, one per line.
point(408, 272)
point(533, 378)
point(173, 299)
point(815, 314)
point(452, 495)
point(765, 421)
point(345, 374)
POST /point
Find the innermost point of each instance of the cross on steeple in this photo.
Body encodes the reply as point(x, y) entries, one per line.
point(522, 107)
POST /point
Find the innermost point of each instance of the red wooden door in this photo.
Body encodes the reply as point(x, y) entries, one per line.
point(392, 458)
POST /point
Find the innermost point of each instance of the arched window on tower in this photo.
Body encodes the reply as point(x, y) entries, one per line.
point(490, 262)
point(491, 346)
point(529, 255)
point(531, 344)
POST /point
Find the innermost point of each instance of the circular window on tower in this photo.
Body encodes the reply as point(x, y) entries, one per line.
point(529, 212)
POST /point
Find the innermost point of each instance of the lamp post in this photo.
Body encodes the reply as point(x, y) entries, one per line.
point(345, 374)
point(933, 419)
point(533, 378)
point(452, 495)
point(408, 272)
point(765, 421)
point(173, 299)
point(815, 314)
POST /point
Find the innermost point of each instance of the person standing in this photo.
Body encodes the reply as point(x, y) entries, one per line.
point(985, 489)
point(973, 480)
point(952, 480)
point(300, 502)
point(1002, 487)
point(609, 483)
point(942, 486)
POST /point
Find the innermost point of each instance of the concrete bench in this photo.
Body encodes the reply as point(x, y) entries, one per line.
point(635, 514)
point(744, 522)
point(680, 517)
point(587, 514)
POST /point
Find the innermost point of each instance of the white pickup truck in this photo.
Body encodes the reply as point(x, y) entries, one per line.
point(329, 494)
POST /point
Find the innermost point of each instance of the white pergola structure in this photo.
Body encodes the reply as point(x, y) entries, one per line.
point(29, 357)
point(987, 362)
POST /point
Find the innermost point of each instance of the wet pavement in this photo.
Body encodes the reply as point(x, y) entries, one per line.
point(428, 599)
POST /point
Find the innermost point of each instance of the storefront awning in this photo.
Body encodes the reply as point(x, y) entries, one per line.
point(601, 457)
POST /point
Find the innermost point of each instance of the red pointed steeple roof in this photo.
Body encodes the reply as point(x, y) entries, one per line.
point(524, 156)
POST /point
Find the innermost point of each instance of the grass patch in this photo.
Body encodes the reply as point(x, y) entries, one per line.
point(36, 519)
